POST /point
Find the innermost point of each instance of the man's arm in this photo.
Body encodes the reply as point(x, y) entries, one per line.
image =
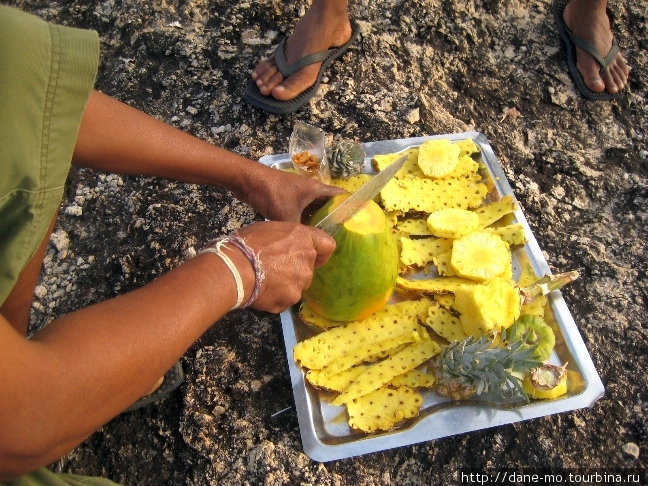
point(84, 368)
point(117, 138)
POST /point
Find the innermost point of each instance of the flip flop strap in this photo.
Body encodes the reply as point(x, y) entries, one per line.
point(286, 70)
point(588, 47)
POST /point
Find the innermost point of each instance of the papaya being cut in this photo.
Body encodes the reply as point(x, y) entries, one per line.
point(360, 276)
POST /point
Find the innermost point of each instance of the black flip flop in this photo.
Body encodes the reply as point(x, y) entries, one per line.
point(572, 41)
point(253, 96)
point(172, 380)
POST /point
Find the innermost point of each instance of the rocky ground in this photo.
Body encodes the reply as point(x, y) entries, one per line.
point(578, 169)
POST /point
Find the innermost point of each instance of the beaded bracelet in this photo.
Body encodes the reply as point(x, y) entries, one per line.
point(215, 248)
point(255, 261)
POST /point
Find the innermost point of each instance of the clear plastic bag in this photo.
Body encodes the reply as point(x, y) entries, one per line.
point(307, 150)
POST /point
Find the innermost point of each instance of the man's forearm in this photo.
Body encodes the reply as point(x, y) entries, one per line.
point(117, 138)
point(89, 365)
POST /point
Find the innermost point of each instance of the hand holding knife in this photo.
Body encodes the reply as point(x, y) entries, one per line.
point(332, 223)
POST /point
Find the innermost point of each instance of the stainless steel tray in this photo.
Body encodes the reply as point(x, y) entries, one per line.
point(324, 430)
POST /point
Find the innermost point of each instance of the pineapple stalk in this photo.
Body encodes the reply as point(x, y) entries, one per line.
point(547, 284)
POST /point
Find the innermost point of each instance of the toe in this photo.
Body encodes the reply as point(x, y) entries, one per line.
point(614, 78)
point(590, 72)
point(264, 71)
point(297, 83)
point(270, 84)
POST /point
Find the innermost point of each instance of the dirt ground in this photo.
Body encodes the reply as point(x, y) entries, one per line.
point(578, 169)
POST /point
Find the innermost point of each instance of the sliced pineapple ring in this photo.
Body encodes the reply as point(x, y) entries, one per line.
point(438, 158)
point(480, 255)
point(452, 222)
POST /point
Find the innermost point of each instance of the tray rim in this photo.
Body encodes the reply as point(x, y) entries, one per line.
point(317, 450)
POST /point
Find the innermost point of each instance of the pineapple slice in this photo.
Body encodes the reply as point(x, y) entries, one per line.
point(351, 184)
point(444, 324)
point(336, 383)
point(491, 306)
point(413, 226)
point(438, 158)
point(413, 379)
point(410, 167)
point(381, 373)
point(480, 255)
point(452, 222)
point(465, 167)
point(437, 285)
point(383, 408)
point(546, 382)
point(442, 264)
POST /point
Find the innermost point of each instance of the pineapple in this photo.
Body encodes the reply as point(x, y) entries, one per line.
point(534, 331)
point(438, 158)
point(345, 158)
point(472, 367)
point(547, 284)
point(480, 255)
point(546, 382)
point(452, 222)
point(491, 306)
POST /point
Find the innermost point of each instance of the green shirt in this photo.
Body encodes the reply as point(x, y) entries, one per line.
point(46, 75)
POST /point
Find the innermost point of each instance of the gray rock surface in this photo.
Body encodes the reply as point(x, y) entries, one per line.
point(578, 169)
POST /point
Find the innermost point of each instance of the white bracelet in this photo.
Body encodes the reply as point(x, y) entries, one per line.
point(230, 264)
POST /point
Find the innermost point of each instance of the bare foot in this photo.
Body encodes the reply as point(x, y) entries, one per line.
point(322, 27)
point(588, 19)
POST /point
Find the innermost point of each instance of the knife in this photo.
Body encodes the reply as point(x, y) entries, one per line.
point(332, 223)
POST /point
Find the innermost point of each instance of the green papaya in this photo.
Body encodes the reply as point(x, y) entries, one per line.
point(360, 276)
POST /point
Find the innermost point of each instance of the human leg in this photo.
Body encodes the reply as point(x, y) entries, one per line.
point(588, 19)
point(326, 24)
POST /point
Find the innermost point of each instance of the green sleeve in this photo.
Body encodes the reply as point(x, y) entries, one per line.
point(47, 74)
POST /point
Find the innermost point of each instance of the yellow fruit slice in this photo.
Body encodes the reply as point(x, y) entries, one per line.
point(452, 222)
point(413, 379)
point(513, 234)
point(420, 252)
point(438, 285)
point(546, 382)
point(492, 305)
point(445, 324)
point(383, 372)
point(467, 146)
point(438, 158)
point(480, 255)
point(423, 194)
point(494, 211)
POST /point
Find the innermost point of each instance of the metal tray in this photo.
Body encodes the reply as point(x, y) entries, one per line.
point(324, 430)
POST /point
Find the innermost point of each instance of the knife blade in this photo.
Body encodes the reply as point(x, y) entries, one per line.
point(332, 222)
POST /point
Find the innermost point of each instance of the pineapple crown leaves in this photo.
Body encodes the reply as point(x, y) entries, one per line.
point(478, 365)
point(345, 158)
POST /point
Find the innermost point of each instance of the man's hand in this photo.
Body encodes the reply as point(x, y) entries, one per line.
point(289, 253)
point(283, 196)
